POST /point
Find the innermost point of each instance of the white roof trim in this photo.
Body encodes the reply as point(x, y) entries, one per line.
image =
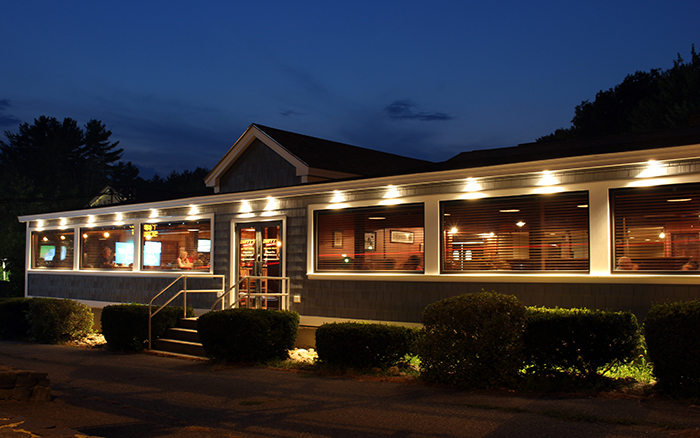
point(249, 136)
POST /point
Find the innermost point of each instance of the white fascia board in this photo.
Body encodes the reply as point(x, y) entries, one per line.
point(557, 164)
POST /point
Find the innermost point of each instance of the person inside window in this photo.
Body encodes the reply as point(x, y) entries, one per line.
point(106, 258)
point(625, 264)
point(183, 262)
point(692, 265)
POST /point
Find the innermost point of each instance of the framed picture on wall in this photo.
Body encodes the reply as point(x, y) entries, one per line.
point(337, 238)
point(401, 236)
point(370, 241)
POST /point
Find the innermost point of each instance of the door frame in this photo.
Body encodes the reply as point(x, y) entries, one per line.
point(234, 250)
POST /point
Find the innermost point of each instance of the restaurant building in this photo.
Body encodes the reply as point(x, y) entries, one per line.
point(357, 234)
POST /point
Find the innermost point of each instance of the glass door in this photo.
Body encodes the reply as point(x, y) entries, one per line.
point(259, 256)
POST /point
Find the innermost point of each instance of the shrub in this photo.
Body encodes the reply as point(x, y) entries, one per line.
point(52, 320)
point(473, 340)
point(248, 335)
point(579, 340)
point(125, 326)
point(13, 318)
point(672, 333)
point(360, 345)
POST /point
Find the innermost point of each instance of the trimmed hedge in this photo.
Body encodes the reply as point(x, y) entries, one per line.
point(473, 340)
point(52, 320)
point(13, 318)
point(125, 326)
point(672, 333)
point(579, 341)
point(361, 345)
point(44, 320)
point(248, 335)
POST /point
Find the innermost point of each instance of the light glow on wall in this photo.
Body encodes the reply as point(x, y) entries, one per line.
point(653, 169)
point(392, 192)
point(337, 197)
point(63, 223)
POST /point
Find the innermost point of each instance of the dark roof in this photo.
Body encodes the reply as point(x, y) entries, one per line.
point(330, 155)
point(562, 149)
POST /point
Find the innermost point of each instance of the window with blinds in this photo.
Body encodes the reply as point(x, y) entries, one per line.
point(519, 233)
point(657, 228)
point(381, 238)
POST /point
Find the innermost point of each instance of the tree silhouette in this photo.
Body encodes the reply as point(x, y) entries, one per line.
point(642, 102)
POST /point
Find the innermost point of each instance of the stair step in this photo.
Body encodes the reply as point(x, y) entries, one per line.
point(188, 323)
point(182, 334)
point(180, 347)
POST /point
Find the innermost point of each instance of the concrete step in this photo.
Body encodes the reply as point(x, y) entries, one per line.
point(182, 334)
point(180, 347)
point(188, 323)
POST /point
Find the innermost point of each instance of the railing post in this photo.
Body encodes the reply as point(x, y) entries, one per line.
point(184, 300)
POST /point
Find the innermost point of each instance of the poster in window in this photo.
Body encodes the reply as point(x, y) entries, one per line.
point(337, 238)
point(401, 236)
point(370, 241)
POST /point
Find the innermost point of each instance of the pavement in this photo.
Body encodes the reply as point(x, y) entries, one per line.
point(105, 394)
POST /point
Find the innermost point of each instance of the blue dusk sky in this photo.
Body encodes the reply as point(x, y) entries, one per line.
point(177, 82)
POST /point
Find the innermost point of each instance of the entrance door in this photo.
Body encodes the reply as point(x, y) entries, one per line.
point(260, 255)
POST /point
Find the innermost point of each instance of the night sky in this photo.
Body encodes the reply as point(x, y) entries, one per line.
point(178, 82)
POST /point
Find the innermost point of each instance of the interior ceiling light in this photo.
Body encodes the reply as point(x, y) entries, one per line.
point(520, 224)
point(679, 200)
point(514, 210)
point(376, 218)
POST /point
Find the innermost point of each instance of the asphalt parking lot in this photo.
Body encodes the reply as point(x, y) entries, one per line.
point(100, 393)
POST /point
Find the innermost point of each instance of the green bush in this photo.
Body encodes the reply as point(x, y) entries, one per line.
point(672, 333)
point(248, 335)
point(578, 341)
point(360, 345)
point(125, 326)
point(13, 318)
point(52, 320)
point(473, 340)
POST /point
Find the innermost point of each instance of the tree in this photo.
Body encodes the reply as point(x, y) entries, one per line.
point(644, 101)
point(49, 166)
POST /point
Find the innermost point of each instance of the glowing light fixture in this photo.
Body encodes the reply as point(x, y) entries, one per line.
point(520, 224)
point(662, 235)
point(246, 207)
point(653, 169)
point(679, 200)
point(119, 219)
point(193, 210)
point(271, 204)
point(40, 225)
point(472, 185)
point(63, 223)
point(337, 196)
point(154, 213)
point(392, 192)
point(548, 179)
point(91, 221)
point(453, 230)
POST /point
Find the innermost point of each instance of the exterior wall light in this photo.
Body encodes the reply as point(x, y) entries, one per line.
point(63, 223)
point(392, 192)
point(653, 169)
point(154, 213)
point(474, 190)
point(120, 219)
point(39, 225)
point(548, 179)
point(337, 197)
point(193, 210)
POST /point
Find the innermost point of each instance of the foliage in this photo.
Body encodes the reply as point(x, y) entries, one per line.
point(248, 335)
point(125, 326)
point(473, 340)
point(53, 320)
point(672, 333)
point(643, 101)
point(13, 318)
point(360, 345)
point(579, 341)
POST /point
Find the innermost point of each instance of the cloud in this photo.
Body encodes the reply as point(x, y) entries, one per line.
point(406, 110)
point(7, 120)
point(291, 113)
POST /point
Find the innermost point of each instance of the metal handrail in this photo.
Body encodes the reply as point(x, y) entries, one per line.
point(284, 294)
point(182, 292)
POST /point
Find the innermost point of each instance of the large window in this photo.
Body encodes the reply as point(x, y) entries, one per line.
point(176, 245)
point(107, 247)
point(657, 228)
point(52, 249)
point(519, 233)
point(371, 238)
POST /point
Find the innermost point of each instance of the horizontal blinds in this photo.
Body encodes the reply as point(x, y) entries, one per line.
point(657, 229)
point(383, 238)
point(520, 233)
